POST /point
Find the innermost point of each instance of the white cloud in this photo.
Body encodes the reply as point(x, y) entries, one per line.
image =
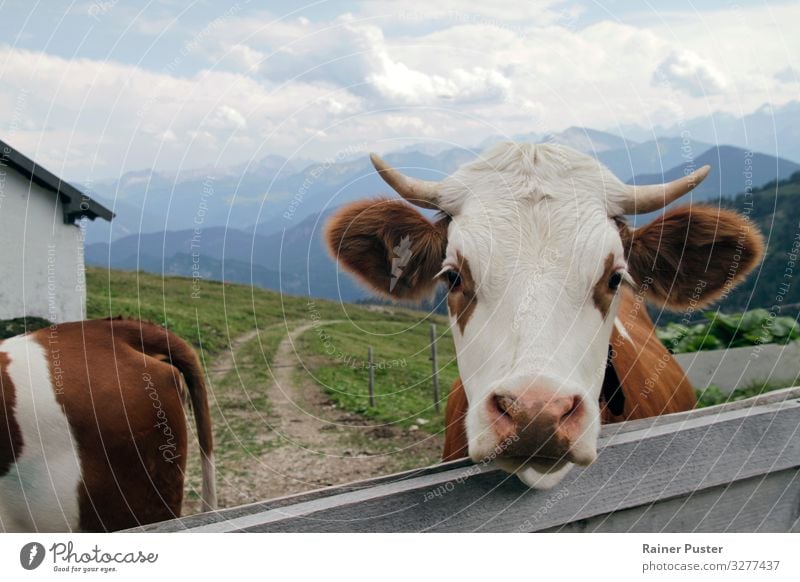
point(409, 124)
point(687, 72)
point(396, 82)
point(97, 118)
point(239, 57)
point(454, 12)
point(341, 52)
point(356, 56)
point(787, 75)
point(435, 70)
point(227, 117)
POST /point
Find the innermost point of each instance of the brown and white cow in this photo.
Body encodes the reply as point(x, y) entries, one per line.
point(93, 432)
point(542, 269)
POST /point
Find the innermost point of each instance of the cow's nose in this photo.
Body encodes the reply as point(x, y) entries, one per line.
point(538, 423)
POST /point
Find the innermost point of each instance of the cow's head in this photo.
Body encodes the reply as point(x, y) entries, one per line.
point(531, 241)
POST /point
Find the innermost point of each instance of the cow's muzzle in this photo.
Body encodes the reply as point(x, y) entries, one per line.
point(540, 426)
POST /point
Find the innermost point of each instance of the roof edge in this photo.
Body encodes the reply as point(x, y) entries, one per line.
point(76, 204)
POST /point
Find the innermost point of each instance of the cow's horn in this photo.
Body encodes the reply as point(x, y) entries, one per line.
point(642, 199)
point(419, 192)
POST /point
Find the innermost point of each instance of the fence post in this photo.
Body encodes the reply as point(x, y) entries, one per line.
point(371, 379)
point(435, 368)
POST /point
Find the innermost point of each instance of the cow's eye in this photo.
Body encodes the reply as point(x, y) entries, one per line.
point(453, 280)
point(615, 281)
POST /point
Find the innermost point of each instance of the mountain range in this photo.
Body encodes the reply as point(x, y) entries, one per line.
point(771, 129)
point(276, 193)
point(261, 223)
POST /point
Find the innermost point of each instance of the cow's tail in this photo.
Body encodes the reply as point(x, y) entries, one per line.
point(184, 358)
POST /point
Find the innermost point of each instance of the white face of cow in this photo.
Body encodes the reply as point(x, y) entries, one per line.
point(536, 261)
point(532, 251)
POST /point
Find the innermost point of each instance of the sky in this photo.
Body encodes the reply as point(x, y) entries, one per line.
point(95, 89)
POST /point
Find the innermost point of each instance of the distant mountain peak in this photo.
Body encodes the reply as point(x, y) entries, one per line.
point(587, 140)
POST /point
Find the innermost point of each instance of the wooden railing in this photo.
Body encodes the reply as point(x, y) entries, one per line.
point(734, 467)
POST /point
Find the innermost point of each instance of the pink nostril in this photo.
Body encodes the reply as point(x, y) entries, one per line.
point(572, 419)
point(503, 404)
point(501, 411)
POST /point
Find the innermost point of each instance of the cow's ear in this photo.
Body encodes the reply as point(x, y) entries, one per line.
point(389, 246)
point(692, 255)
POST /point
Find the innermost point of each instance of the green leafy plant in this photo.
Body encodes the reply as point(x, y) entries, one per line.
point(19, 325)
point(751, 328)
point(712, 395)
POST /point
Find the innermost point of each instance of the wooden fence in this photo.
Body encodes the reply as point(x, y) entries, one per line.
point(734, 467)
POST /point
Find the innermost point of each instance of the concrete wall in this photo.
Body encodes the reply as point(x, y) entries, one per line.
point(41, 258)
point(740, 367)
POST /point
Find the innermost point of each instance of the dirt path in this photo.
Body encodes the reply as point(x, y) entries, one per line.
point(227, 361)
point(315, 444)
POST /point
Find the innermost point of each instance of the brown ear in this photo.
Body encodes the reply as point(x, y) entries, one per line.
point(692, 255)
point(389, 246)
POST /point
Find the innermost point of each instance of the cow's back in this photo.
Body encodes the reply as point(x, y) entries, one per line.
point(111, 451)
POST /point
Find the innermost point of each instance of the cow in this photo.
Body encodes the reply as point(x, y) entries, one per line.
point(547, 283)
point(93, 432)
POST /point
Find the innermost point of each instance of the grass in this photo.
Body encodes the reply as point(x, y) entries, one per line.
point(403, 384)
point(19, 325)
point(712, 395)
point(212, 314)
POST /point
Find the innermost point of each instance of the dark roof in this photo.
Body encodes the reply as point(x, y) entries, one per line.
point(76, 204)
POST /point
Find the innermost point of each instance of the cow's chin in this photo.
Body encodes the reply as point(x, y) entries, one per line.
point(536, 474)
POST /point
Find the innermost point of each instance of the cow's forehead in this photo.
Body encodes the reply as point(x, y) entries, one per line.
point(522, 199)
point(510, 174)
point(532, 251)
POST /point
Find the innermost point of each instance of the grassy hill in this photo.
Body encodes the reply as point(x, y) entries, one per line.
point(208, 315)
point(403, 382)
point(775, 208)
point(214, 314)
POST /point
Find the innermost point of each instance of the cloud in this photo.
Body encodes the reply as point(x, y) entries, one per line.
point(687, 72)
point(787, 75)
point(357, 57)
point(397, 82)
point(238, 57)
point(455, 12)
point(97, 118)
point(227, 117)
point(341, 52)
point(250, 83)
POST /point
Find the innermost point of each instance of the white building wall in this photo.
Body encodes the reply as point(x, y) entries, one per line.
point(41, 258)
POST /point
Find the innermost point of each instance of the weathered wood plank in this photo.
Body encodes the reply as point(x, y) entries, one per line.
point(655, 460)
point(792, 393)
point(766, 503)
point(231, 513)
